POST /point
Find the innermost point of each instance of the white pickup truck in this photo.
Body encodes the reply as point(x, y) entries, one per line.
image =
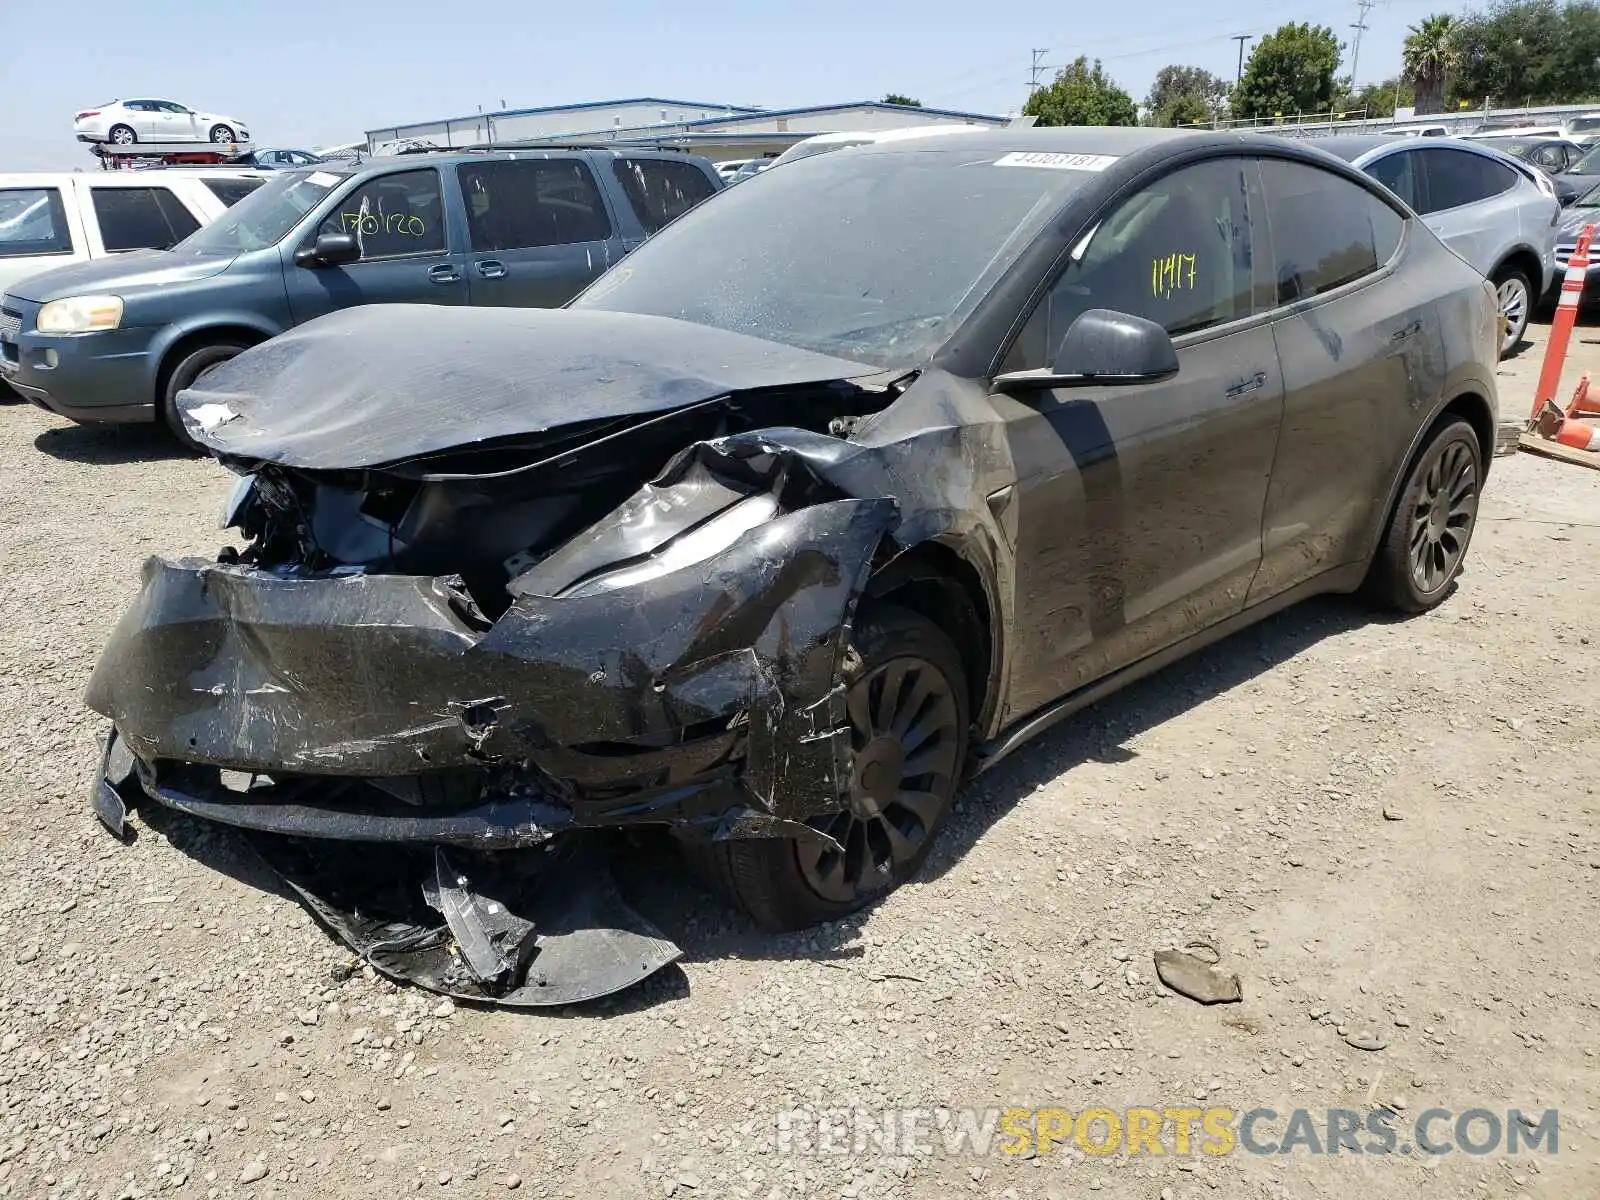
point(54, 219)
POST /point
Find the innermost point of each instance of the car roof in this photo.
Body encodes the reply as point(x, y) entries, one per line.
point(1076, 139)
point(464, 155)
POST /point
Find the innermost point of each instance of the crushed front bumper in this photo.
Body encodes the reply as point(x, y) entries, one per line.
point(318, 716)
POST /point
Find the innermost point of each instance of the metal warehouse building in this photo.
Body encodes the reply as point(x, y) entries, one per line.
point(715, 130)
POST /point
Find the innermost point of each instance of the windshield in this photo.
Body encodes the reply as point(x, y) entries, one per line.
point(1589, 164)
point(263, 217)
point(809, 149)
point(866, 256)
point(1590, 199)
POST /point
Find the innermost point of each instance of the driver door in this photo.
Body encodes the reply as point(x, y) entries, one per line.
point(1139, 507)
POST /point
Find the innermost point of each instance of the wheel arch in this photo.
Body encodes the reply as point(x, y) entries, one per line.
point(1468, 403)
point(183, 341)
point(1526, 260)
point(937, 581)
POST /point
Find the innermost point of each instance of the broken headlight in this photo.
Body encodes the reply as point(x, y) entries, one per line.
point(698, 544)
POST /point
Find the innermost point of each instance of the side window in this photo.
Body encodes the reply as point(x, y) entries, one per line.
point(661, 190)
point(135, 218)
point(33, 221)
point(1177, 253)
point(1457, 177)
point(1326, 231)
point(1398, 173)
point(231, 191)
point(532, 202)
point(393, 215)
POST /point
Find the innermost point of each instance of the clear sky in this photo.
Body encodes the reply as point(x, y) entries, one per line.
point(303, 73)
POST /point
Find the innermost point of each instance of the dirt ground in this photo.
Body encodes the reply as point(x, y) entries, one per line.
point(1385, 827)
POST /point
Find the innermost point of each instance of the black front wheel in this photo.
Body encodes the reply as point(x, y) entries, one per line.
point(183, 374)
point(907, 703)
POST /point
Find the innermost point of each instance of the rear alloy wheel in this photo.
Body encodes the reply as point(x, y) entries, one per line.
point(122, 135)
point(1514, 294)
point(222, 133)
point(184, 374)
point(907, 705)
point(1426, 542)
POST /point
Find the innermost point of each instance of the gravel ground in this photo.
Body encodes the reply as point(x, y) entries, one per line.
point(1382, 826)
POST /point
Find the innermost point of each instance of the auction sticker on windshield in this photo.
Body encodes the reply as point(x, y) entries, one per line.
point(322, 179)
point(1056, 162)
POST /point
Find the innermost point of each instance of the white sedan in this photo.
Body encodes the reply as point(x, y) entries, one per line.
point(125, 122)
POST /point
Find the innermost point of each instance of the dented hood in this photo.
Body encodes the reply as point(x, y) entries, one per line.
point(381, 383)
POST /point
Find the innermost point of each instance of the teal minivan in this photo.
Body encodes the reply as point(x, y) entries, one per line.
point(116, 340)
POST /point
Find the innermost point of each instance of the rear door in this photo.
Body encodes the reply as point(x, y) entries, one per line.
point(1139, 507)
point(1354, 331)
point(540, 230)
point(1469, 203)
point(410, 253)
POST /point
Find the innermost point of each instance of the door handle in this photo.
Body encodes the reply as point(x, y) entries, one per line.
point(1401, 335)
point(491, 268)
point(444, 274)
point(1255, 383)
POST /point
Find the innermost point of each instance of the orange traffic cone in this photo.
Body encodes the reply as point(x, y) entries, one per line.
point(1581, 405)
point(1555, 426)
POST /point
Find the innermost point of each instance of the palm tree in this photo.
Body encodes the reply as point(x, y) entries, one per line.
point(1430, 55)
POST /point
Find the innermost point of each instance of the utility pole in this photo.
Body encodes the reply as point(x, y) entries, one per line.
point(1037, 69)
point(1360, 26)
point(1241, 38)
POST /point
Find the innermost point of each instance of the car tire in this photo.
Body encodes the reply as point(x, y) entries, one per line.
point(122, 135)
point(786, 884)
point(1514, 294)
point(183, 374)
point(222, 133)
point(1431, 526)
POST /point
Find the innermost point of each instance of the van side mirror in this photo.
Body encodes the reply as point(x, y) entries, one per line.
point(1102, 348)
point(329, 250)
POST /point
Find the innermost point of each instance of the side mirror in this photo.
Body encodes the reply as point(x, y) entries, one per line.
point(329, 250)
point(1102, 348)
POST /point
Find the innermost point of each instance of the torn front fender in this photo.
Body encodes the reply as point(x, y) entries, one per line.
point(736, 657)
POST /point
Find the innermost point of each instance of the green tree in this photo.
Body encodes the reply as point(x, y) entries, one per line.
point(1290, 71)
point(1082, 94)
point(1431, 54)
point(1528, 52)
point(905, 101)
point(1185, 96)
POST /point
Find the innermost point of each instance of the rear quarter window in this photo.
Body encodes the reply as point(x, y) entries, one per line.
point(1326, 230)
point(661, 190)
point(231, 191)
point(33, 221)
point(1457, 177)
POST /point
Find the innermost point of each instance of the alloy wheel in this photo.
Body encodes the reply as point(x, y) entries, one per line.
point(1441, 521)
point(122, 137)
point(1512, 295)
point(905, 729)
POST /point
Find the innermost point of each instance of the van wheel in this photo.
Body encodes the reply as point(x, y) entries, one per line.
point(906, 696)
point(1514, 294)
point(1426, 541)
point(183, 374)
point(123, 135)
point(222, 133)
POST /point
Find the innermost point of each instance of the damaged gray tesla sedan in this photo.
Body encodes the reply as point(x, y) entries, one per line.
point(828, 497)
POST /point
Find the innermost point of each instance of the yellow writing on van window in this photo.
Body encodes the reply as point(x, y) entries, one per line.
point(1174, 273)
point(372, 223)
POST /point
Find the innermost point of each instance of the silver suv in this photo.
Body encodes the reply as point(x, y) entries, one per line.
point(1497, 213)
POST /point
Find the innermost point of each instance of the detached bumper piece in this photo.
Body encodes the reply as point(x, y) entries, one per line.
point(529, 929)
